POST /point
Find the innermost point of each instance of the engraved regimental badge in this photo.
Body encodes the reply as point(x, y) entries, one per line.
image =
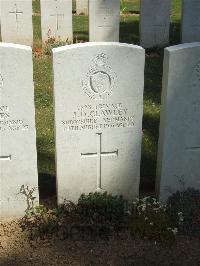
point(100, 79)
point(1, 82)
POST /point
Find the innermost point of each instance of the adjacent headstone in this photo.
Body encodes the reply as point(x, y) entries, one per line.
point(190, 21)
point(179, 142)
point(56, 20)
point(104, 19)
point(82, 7)
point(98, 118)
point(154, 23)
point(18, 160)
point(16, 21)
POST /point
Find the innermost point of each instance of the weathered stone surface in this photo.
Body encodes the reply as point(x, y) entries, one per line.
point(18, 159)
point(56, 20)
point(98, 118)
point(154, 23)
point(179, 143)
point(104, 19)
point(82, 7)
point(190, 21)
point(16, 21)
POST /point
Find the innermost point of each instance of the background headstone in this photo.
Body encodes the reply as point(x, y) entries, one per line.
point(56, 20)
point(104, 19)
point(16, 21)
point(18, 159)
point(179, 141)
point(154, 23)
point(190, 28)
point(82, 7)
point(98, 116)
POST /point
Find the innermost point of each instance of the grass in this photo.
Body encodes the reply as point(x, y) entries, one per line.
point(129, 33)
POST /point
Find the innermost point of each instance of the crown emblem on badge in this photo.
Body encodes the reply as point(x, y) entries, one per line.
point(100, 60)
point(100, 79)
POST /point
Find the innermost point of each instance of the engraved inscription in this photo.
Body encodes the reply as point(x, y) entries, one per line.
point(160, 33)
point(99, 116)
point(99, 154)
point(194, 20)
point(192, 112)
point(9, 124)
point(105, 14)
point(196, 76)
point(1, 81)
point(100, 79)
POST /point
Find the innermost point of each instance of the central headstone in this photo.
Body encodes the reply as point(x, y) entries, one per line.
point(154, 23)
point(98, 116)
point(56, 20)
point(16, 21)
point(18, 157)
point(190, 21)
point(104, 19)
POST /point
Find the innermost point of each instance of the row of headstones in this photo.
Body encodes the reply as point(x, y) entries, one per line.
point(98, 121)
point(104, 20)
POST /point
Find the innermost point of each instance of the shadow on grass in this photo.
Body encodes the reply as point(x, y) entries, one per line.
point(129, 31)
point(151, 125)
point(175, 33)
point(47, 179)
point(149, 153)
point(47, 190)
point(81, 36)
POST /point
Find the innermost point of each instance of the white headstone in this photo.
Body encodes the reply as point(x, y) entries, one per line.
point(98, 116)
point(179, 141)
point(16, 21)
point(154, 23)
point(104, 19)
point(56, 20)
point(18, 159)
point(82, 7)
point(190, 21)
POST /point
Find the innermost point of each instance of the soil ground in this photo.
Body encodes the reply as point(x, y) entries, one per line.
point(17, 249)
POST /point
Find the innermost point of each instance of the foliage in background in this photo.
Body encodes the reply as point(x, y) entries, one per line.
point(150, 219)
point(184, 210)
point(39, 222)
point(146, 217)
point(93, 209)
point(52, 42)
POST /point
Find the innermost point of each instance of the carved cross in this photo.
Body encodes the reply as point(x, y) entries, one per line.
point(99, 154)
point(194, 148)
point(5, 158)
point(16, 13)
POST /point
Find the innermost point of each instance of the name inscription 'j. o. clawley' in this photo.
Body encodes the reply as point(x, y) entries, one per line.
point(99, 116)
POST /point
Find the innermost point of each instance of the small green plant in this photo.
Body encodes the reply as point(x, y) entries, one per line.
point(149, 219)
point(183, 208)
point(101, 208)
point(29, 195)
point(39, 221)
point(52, 42)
